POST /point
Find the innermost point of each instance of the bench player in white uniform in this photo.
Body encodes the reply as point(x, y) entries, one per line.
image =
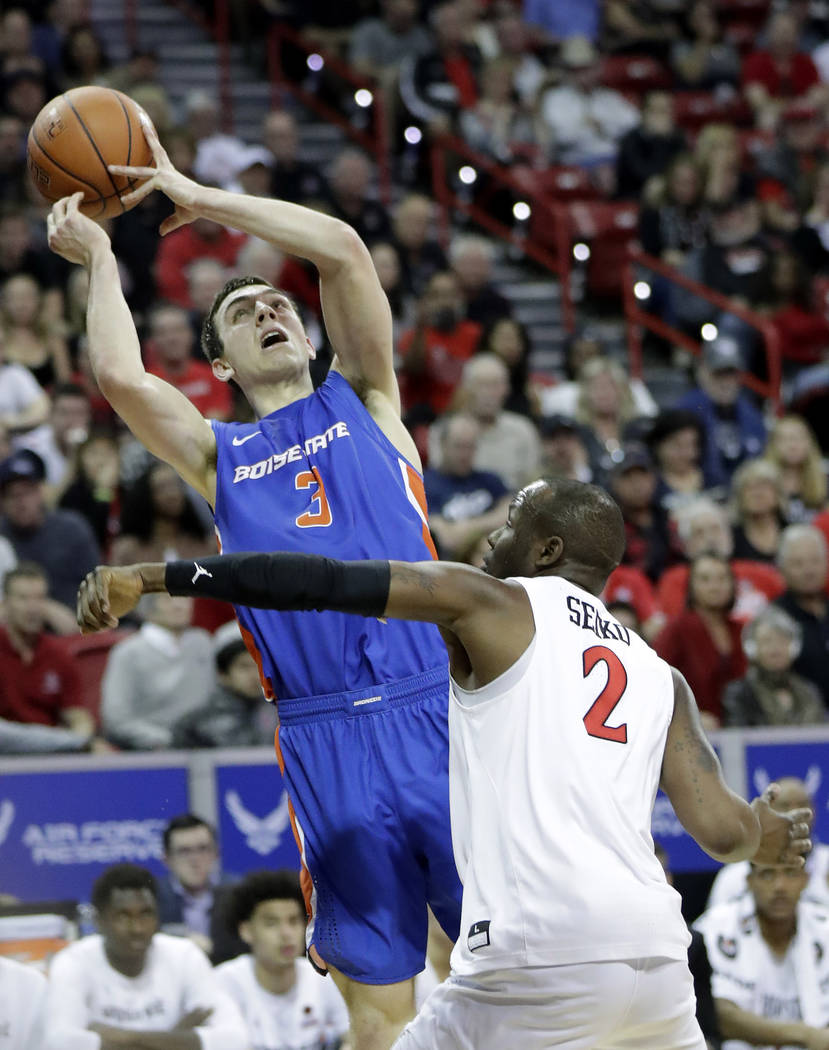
point(563, 726)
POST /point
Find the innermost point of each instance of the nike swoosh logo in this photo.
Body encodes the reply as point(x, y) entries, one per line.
point(247, 437)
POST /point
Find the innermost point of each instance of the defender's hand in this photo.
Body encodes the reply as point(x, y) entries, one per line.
point(181, 190)
point(106, 594)
point(784, 837)
point(72, 234)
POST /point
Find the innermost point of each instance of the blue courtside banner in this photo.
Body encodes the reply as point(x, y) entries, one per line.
point(59, 831)
point(254, 819)
point(683, 852)
point(809, 762)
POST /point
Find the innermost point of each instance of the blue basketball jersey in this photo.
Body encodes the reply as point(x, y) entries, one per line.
point(319, 476)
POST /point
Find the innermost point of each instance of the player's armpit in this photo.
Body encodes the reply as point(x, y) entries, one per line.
point(720, 821)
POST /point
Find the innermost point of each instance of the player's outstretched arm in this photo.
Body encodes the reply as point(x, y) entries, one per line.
point(491, 619)
point(161, 417)
point(725, 825)
point(356, 310)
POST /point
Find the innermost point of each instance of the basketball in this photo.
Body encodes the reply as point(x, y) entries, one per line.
point(75, 137)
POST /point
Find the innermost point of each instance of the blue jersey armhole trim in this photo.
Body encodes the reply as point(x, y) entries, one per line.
point(372, 422)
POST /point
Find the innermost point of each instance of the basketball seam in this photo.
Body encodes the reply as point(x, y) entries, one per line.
point(129, 178)
point(66, 171)
point(94, 145)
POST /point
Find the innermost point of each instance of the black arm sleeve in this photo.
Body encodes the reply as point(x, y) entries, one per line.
point(285, 581)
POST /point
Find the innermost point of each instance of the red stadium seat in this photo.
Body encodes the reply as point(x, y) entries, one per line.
point(561, 183)
point(90, 653)
point(609, 229)
point(695, 109)
point(634, 73)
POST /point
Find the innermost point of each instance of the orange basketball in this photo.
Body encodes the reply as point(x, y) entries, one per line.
point(75, 137)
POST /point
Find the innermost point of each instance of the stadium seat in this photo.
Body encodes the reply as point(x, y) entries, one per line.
point(559, 183)
point(90, 653)
point(634, 73)
point(695, 109)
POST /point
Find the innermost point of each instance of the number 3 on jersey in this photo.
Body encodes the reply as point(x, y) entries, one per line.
point(320, 515)
point(595, 721)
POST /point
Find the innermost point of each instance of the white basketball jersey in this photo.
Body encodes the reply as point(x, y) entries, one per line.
point(554, 768)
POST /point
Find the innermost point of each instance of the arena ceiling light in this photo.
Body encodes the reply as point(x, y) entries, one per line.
point(413, 135)
point(467, 175)
point(315, 62)
point(709, 332)
point(521, 210)
point(642, 290)
point(363, 97)
point(581, 252)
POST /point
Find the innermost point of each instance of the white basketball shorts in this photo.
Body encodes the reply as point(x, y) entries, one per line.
point(637, 1004)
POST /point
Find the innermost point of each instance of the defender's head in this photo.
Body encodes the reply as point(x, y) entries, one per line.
point(559, 527)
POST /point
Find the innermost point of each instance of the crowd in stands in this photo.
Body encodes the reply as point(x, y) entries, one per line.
point(725, 504)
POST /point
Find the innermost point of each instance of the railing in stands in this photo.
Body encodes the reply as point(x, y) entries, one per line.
point(445, 152)
point(372, 139)
point(218, 28)
point(637, 318)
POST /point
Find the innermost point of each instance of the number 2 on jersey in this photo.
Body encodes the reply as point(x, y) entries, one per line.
point(595, 721)
point(320, 515)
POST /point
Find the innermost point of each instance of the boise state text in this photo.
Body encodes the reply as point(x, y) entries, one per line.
point(586, 616)
point(294, 454)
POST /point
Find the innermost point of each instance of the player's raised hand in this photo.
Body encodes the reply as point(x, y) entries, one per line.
point(784, 837)
point(72, 234)
point(106, 594)
point(181, 190)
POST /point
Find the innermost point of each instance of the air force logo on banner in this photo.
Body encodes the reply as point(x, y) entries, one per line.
point(6, 818)
point(812, 780)
point(262, 834)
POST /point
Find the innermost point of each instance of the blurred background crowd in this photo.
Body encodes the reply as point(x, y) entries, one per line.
point(706, 122)
point(603, 228)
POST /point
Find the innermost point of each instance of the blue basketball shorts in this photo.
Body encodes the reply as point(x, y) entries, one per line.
point(367, 773)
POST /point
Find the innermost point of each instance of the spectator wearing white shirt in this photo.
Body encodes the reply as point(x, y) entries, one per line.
point(23, 401)
point(55, 442)
point(731, 881)
point(156, 676)
point(22, 992)
point(285, 1005)
point(584, 119)
point(130, 986)
point(769, 955)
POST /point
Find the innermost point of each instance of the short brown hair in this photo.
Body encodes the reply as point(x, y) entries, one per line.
point(211, 342)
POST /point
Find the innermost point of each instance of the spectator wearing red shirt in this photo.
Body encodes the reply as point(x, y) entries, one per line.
point(772, 77)
point(39, 683)
point(703, 527)
point(170, 357)
point(201, 239)
point(704, 642)
point(434, 351)
point(629, 586)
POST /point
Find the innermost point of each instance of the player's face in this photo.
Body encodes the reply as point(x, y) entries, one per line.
point(262, 335)
point(511, 546)
point(776, 891)
point(275, 933)
point(191, 857)
point(127, 924)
